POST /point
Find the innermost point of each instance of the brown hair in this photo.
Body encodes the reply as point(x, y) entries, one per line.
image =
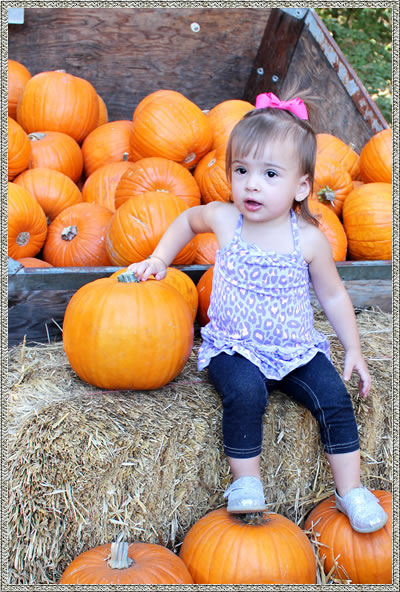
point(250, 133)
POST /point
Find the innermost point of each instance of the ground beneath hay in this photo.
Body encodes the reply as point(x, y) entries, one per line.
point(86, 464)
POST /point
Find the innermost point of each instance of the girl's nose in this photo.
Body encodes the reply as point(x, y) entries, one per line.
point(252, 183)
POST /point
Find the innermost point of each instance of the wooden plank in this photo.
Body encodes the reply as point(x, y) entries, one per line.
point(72, 278)
point(277, 46)
point(127, 53)
point(38, 315)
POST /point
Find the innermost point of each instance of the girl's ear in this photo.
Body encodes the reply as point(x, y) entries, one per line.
point(303, 188)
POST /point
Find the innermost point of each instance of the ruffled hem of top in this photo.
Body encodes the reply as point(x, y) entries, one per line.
point(268, 365)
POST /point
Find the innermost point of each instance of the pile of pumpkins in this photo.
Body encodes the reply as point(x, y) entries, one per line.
point(87, 192)
point(84, 191)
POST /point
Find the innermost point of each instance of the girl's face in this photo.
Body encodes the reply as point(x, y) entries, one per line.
point(264, 187)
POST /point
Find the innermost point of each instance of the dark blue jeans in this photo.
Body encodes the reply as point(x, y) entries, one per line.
point(244, 393)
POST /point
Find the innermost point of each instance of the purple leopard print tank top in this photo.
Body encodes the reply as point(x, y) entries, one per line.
point(260, 308)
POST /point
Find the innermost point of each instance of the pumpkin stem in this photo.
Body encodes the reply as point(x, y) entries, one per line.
point(119, 556)
point(34, 136)
point(69, 233)
point(255, 518)
point(125, 156)
point(23, 239)
point(128, 277)
point(189, 158)
point(326, 194)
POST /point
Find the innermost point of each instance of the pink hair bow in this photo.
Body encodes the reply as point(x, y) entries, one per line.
point(295, 106)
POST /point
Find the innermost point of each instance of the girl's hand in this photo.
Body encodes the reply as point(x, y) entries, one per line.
point(150, 266)
point(355, 361)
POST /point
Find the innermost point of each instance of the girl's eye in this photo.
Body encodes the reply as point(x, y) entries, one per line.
point(271, 174)
point(241, 170)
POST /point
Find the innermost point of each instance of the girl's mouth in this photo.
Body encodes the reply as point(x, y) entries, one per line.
point(251, 205)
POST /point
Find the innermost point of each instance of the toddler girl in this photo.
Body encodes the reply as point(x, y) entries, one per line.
point(261, 335)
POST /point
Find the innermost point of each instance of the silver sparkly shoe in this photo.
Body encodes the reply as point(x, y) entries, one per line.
point(245, 495)
point(362, 509)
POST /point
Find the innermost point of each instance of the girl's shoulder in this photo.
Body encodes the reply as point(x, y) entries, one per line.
point(223, 218)
point(311, 238)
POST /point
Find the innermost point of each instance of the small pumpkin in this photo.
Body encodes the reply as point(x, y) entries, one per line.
point(105, 144)
point(101, 185)
point(123, 563)
point(18, 76)
point(158, 174)
point(333, 147)
point(19, 149)
point(376, 158)
point(368, 221)
point(223, 118)
point(103, 112)
point(143, 337)
point(221, 548)
point(365, 558)
point(138, 225)
point(332, 227)
point(58, 151)
point(33, 262)
point(76, 237)
point(210, 175)
point(169, 125)
point(27, 224)
point(332, 183)
point(53, 190)
point(206, 248)
point(204, 287)
point(59, 102)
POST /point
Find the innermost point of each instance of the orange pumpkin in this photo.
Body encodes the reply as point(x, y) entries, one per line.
point(332, 227)
point(223, 118)
point(101, 185)
point(332, 183)
point(368, 219)
point(59, 102)
point(221, 548)
point(27, 224)
point(206, 248)
point(58, 151)
point(76, 237)
point(210, 175)
point(180, 281)
point(137, 226)
point(362, 558)
point(103, 112)
point(158, 174)
point(123, 563)
point(19, 149)
point(334, 148)
point(143, 333)
point(18, 76)
point(204, 287)
point(107, 143)
point(169, 125)
point(53, 190)
point(376, 158)
point(33, 262)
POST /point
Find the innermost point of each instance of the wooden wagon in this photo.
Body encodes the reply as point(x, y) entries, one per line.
point(210, 55)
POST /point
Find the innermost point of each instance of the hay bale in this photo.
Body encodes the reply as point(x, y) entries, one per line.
point(85, 464)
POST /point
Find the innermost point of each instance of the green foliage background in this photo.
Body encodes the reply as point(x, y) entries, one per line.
point(365, 37)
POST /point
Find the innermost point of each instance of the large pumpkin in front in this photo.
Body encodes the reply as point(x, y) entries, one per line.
point(364, 558)
point(127, 335)
point(221, 548)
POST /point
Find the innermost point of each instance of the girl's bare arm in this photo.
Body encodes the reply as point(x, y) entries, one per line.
point(338, 308)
